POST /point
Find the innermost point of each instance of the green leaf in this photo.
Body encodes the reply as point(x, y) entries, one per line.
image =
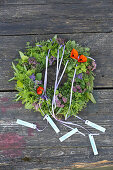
point(59, 111)
point(87, 49)
point(23, 57)
point(14, 67)
point(25, 67)
point(73, 44)
point(11, 79)
point(30, 72)
point(39, 76)
point(55, 37)
point(90, 96)
point(19, 84)
point(69, 67)
point(28, 43)
point(28, 105)
point(57, 92)
point(18, 98)
point(70, 75)
point(44, 48)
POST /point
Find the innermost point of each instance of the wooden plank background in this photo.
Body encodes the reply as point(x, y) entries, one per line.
point(90, 23)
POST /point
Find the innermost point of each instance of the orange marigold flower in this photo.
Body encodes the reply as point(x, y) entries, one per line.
point(82, 59)
point(74, 54)
point(39, 90)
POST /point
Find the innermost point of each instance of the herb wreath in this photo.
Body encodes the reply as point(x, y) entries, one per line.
point(28, 72)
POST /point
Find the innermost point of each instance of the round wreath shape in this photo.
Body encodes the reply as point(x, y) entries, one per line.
point(55, 77)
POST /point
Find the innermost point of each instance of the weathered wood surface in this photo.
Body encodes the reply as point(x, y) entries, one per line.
point(56, 18)
point(24, 148)
point(34, 2)
point(90, 24)
point(101, 45)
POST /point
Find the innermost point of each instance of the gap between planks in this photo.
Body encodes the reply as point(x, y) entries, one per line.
point(95, 88)
point(61, 33)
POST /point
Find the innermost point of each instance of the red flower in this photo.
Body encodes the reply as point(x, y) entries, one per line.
point(82, 59)
point(39, 90)
point(74, 54)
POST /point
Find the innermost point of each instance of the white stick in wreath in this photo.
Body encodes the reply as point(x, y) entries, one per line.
point(57, 73)
point(45, 78)
point(71, 93)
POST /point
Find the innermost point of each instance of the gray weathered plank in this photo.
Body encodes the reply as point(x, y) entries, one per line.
point(101, 49)
point(22, 2)
point(34, 2)
point(56, 18)
point(24, 148)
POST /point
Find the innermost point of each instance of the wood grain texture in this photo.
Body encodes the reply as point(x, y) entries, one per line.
point(24, 148)
point(56, 18)
point(101, 45)
point(90, 24)
point(100, 165)
point(34, 2)
point(22, 2)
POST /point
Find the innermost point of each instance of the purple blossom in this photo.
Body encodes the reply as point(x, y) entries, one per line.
point(94, 65)
point(60, 95)
point(78, 87)
point(36, 105)
point(51, 60)
point(60, 41)
point(79, 76)
point(56, 98)
point(87, 72)
point(80, 91)
point(35, 87)
point(52, 42)
point(58, 102)
point(89, 67)
point(38, 82)
point(32, 61)
point(74, 89)
point(84, 90)
point(62, 105)
point(58, 105)
point(45, 97)
point(32, 77)
point(64, 99)
point(39, 45)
